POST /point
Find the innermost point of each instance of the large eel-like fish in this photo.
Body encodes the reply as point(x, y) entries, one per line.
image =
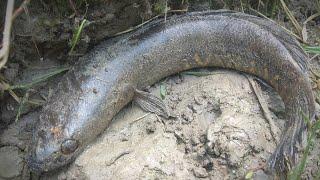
point(104, 80)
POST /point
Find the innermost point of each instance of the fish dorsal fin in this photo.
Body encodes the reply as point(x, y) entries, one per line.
point(291, 44)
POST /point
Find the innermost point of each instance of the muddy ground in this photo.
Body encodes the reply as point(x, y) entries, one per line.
point(219, 133)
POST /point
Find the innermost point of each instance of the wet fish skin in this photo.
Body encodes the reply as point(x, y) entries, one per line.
point(103, 81)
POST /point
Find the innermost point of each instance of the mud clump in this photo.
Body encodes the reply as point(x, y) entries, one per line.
point(11, 159)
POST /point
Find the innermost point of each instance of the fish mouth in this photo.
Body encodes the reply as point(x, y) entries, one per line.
point(55, 162)
point(39, 167)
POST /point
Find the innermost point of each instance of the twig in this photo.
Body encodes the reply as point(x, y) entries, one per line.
point(112, 161)
point(139, 118)
point(304, 26)
point(291, 17)
point(165, 12)
point(35, 45)
point(21, 9)
point(258, 92)
point(4, 52)
point(315, 56)
point(73, 7)
point(36, 102)
point(259, 2)
point(135, 27)
point(17, 12)
point(284, 28)
point(145, 22)
point(241, 4)
point(314, 73)
point(160, 121)
point(6, 86)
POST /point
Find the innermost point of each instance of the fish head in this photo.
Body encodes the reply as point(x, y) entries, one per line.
point(52, 146)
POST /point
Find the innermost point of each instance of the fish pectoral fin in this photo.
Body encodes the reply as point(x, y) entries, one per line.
point(151, 103)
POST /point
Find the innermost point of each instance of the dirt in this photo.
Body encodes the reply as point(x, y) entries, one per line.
point(219, 132)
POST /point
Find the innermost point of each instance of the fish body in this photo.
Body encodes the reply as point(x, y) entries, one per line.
point(104, 80)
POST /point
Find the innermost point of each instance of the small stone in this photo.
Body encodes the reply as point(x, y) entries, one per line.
point(109, 16)
point(187, 149)
point(150, 127)
point(174, 98)
point(201, 153)
point(260, 174)
point(198, 100)
point(11, 162)
point(200, 172)
point(187, 116)
point(214, 106)
point(208, 165)
point(62, 176)
point(177, 79)
point(192, 108)
point(216, 152)
point(203, 138)
point(194, 140)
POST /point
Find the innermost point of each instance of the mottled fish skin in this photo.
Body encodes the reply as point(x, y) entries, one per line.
point(103, 81)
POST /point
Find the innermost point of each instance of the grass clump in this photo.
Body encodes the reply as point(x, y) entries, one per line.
point(39, 79)
point(25, 87)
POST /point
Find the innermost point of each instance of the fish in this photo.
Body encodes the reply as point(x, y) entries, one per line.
point(111, 75)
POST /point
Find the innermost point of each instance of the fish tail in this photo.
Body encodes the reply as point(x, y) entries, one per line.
point(285, 157)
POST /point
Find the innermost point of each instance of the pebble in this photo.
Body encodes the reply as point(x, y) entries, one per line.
point(11, 162)
point(261, 175)
point(150, 127)
point(200, 172)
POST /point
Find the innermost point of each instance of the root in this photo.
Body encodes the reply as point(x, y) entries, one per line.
point(4, 52)
point(10, 16)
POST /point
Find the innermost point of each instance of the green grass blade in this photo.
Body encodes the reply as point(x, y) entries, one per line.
point(21, 105)
point(298, 170)
point(296, 173)
point(39, 79)
point(197, 73)
point(163, 91)
point(312, 49)
point(76, 35)
point(200, 73)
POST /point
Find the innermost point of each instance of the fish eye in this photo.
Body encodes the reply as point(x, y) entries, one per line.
point(68, 146)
